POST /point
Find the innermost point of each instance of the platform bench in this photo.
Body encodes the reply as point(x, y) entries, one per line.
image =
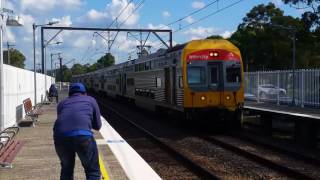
point(9, 148)
point(31, 111)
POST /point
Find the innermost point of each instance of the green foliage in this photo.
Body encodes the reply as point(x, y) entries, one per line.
point(105, 61)
point(311, 15)
point(215, 37)
point(78, 69)
point(16, 58)
point(265, 38)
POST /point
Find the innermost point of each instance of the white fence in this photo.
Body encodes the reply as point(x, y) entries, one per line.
point(19, 85)
point(278, 87)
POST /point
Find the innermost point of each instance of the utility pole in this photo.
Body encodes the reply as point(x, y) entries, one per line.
point(61, 73)
point(8, 48)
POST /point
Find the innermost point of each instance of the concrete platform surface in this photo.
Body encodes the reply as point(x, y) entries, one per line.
point(284, 109)
point(37, 160)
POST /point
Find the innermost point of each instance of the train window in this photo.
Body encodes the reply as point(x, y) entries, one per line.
point(130, 82)
point(147, 65)
point(141, 67)
point(233, 74)
point(136, 68)
point(158, 82)
point(196, 75)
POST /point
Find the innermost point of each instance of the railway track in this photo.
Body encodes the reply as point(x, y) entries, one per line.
point(203, 171)
point(189, 163)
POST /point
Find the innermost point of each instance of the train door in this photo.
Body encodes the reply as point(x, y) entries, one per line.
point(167, 84)
point(124, 84)
point(215, 75)
point(174, 85)
point(119, 83)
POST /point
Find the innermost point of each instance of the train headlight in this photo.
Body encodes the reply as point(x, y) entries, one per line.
point(213, 54)
point(227, 97)
point(203, 98)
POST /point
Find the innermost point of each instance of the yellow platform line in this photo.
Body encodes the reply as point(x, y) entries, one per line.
point(103, 170)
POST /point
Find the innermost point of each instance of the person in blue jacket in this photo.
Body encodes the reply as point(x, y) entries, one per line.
point(53, 92)
point(77, 115)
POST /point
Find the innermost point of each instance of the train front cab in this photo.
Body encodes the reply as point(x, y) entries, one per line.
point(213, 87)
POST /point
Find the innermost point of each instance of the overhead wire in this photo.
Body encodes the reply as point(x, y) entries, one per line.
point(84, 56)
point(192, 13)
point(209, 15)
point(135, 9)
point(123, 9)
point(205, 17)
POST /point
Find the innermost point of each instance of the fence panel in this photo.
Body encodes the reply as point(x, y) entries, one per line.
point(283, 87)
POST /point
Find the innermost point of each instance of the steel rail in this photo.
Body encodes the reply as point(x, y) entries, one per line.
point(258, 159)
point(189, 163)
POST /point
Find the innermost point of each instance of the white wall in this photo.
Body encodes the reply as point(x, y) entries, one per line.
point(19, 85)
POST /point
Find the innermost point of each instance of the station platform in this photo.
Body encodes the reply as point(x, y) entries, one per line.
point(37, 159)
point(283, 109)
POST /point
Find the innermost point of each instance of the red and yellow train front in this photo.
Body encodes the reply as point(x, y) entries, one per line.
point(212, 71)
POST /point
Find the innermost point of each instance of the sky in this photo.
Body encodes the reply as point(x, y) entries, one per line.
point(219, 17)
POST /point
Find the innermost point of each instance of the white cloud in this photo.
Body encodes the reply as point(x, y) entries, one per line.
point(166, 14)
point(128, 16)
point(9, 36)
point(103, 18)
point(189, 19)
point(38, 5)
point(160, 26)
point(198, 4)
point(45, 5)
point(200, 32)
point(277, 2)
point(226, 34)
point(71, 3)
point(81, 42)
point(96, 15)
point(63, 21)
point(28, 21)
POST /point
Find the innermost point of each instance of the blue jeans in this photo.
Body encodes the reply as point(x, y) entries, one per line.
point(86, 148)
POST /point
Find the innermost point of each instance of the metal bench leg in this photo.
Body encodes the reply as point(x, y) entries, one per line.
point(34, 119)
point(6, 166)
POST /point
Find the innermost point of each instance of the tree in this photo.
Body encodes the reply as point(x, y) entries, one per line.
point(265, 40)
point(66, 74)
point(105, 61)
point(311, 16)
point(77, 69)
point(16, 58)
point(215, 37)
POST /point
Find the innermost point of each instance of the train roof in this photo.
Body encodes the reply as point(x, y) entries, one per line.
point(212, 44)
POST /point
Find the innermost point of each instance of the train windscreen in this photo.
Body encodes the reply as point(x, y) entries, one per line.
point(196, 75)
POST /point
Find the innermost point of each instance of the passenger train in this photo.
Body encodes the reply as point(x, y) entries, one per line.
point(201, 79)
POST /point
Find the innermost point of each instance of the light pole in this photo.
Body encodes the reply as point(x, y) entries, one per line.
point(34, 27)
point(45, 63)
point(8, 51)
point(51, 55)
point(7, 18)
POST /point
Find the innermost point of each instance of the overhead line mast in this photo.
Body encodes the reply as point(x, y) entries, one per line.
point(154, 31)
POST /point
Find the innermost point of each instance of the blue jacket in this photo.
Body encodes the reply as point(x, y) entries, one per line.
point(77, 115)
point(53, 91)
